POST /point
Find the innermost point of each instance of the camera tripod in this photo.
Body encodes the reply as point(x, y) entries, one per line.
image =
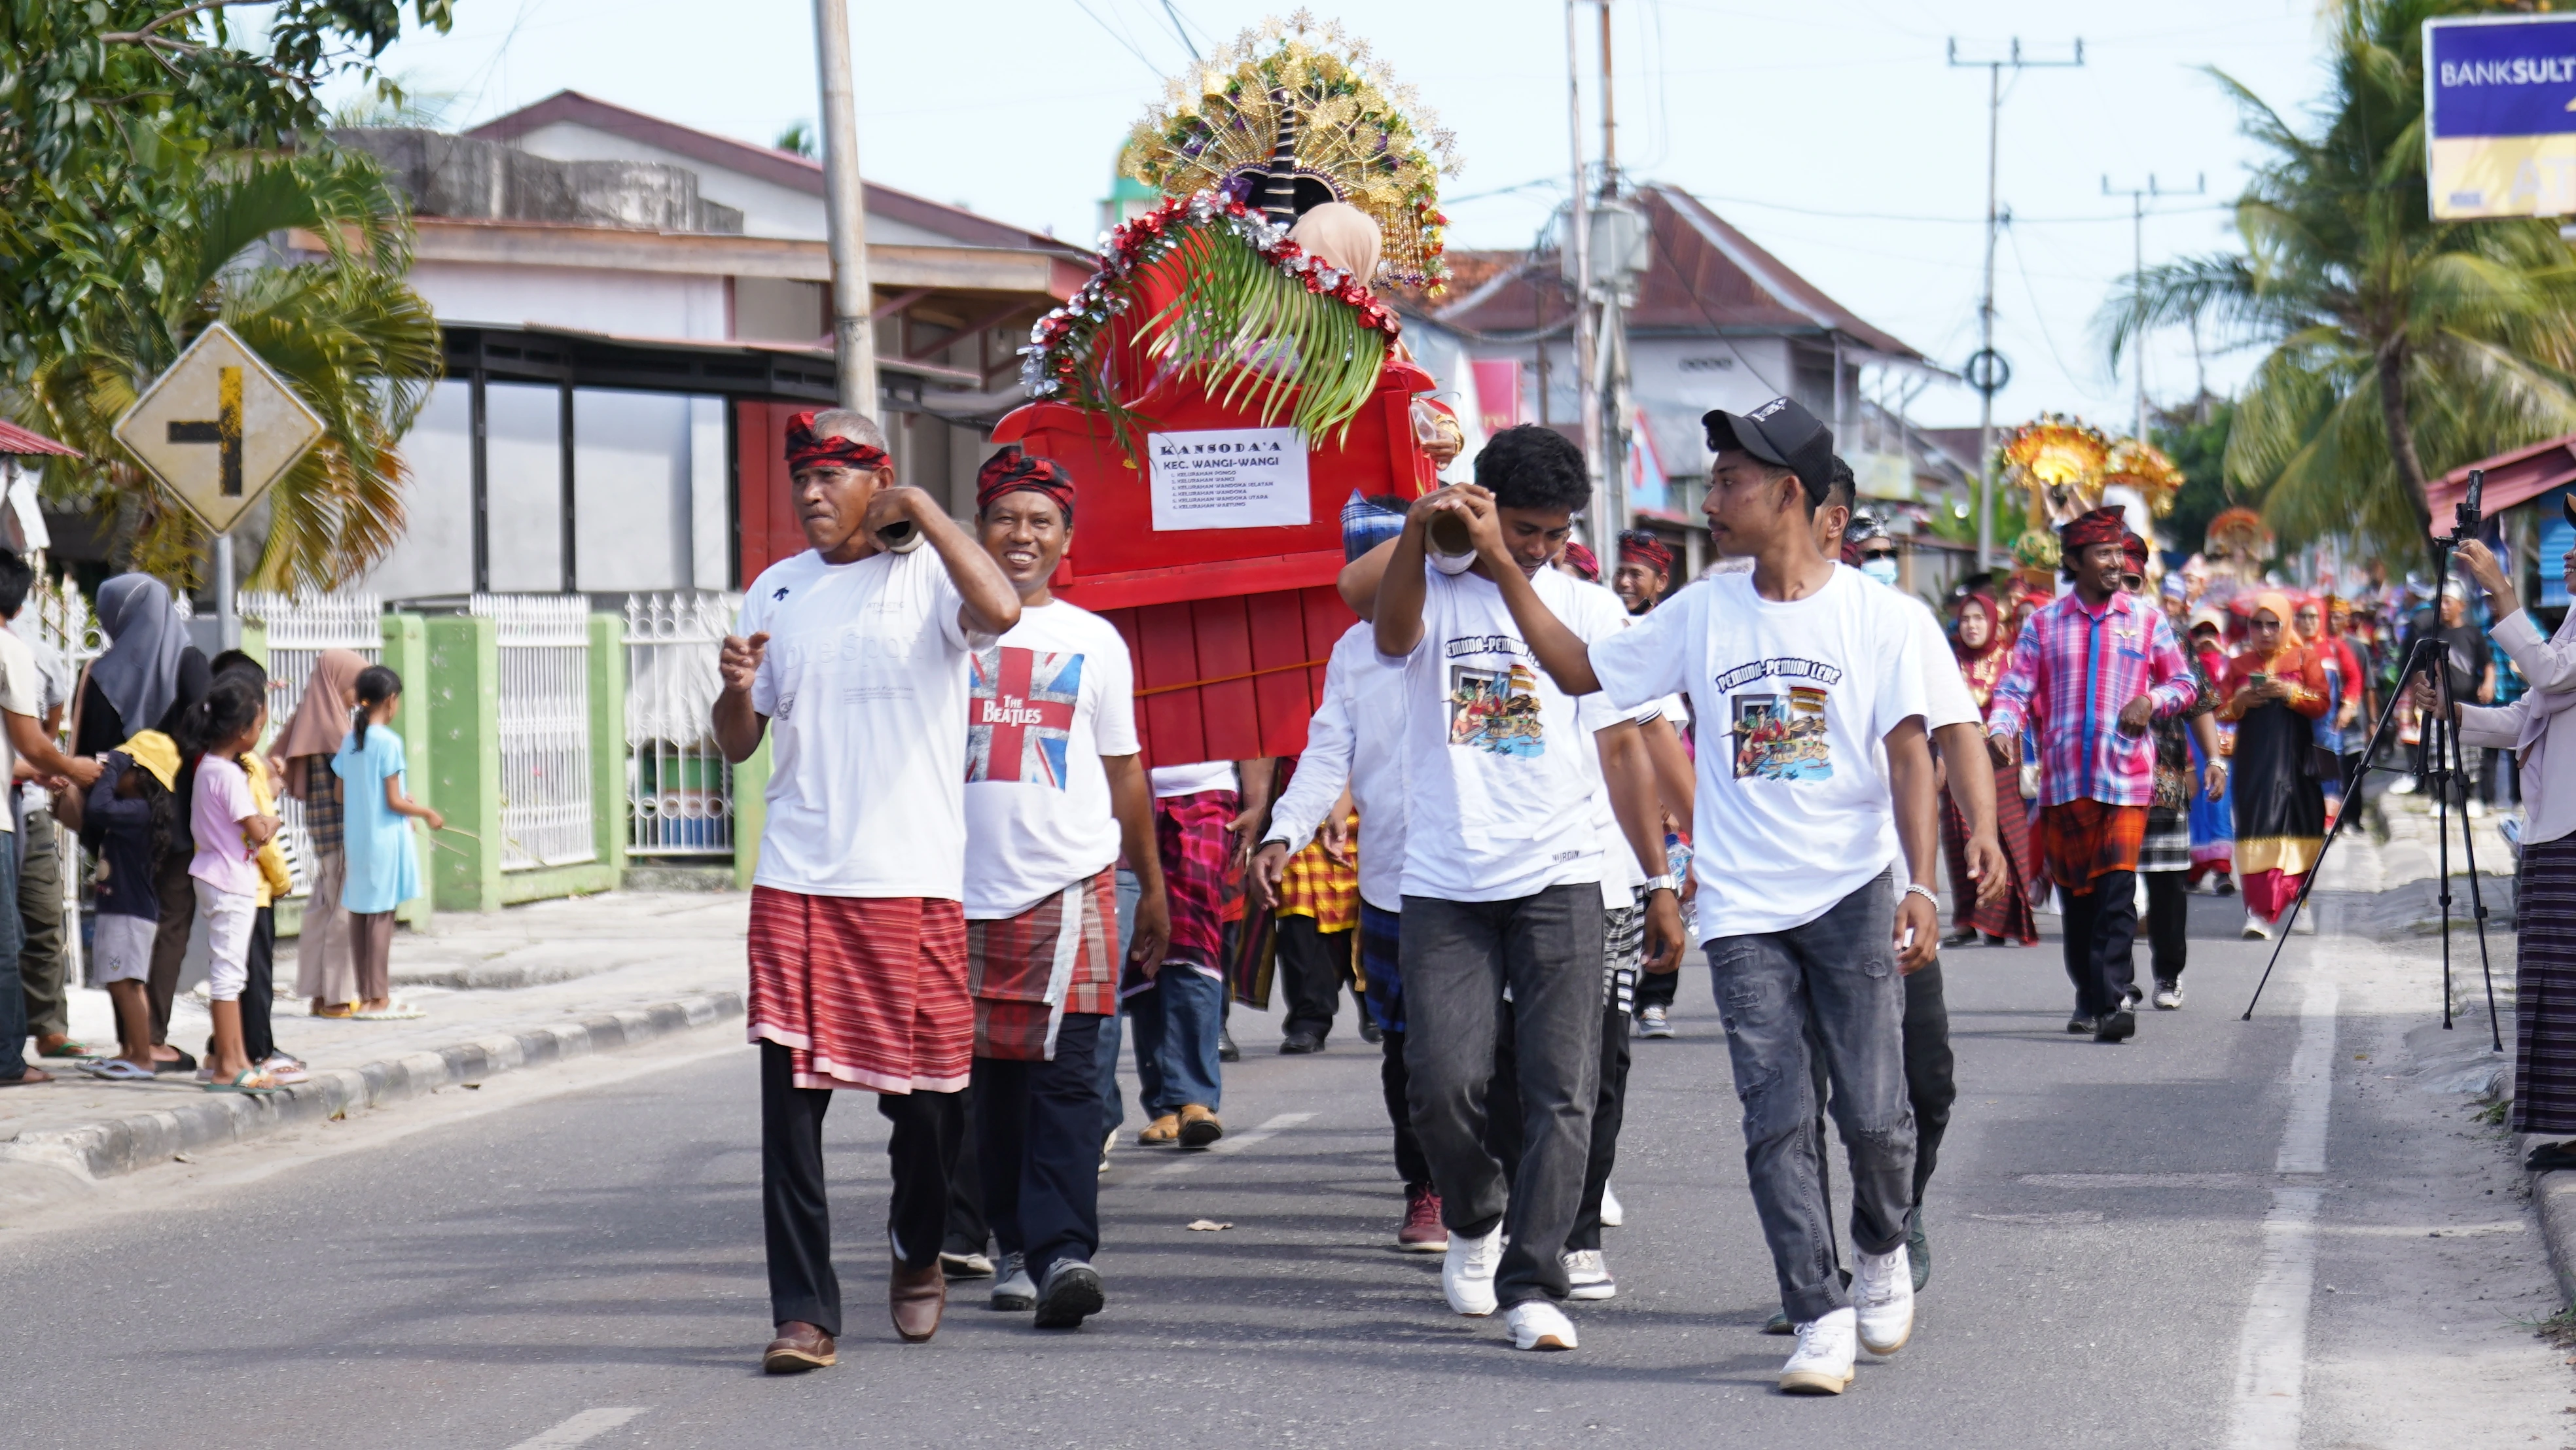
point(2444, 765)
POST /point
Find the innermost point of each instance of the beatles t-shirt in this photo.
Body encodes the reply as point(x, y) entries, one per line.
point(864, 683)
point(1793, 699)
point(1500, 765)
point(1044, 704)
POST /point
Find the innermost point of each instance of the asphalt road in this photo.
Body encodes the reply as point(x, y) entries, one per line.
point(2267, 1233)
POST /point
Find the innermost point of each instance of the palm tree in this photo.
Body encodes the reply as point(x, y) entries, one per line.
point(2400, 347)
point(345, 331)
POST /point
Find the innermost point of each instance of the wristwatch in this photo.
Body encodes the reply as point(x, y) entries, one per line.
point(1662, 883)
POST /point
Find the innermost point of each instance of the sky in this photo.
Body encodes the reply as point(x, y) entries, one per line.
point(1835, 133)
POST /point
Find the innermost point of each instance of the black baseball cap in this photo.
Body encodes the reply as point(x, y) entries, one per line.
point(1779, 432)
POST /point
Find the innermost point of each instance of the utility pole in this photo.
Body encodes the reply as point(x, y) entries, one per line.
point(1587, 394)
point(854, 345)
point(1987, 372)
point(1612, 339)
point(2138, 197)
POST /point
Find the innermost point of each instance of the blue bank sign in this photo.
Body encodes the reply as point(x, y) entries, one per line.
point(2500, 116)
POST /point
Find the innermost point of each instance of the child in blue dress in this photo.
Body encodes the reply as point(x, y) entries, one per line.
point(383, 870)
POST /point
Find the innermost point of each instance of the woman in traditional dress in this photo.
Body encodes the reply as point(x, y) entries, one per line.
point(2273, 694)
point(1983, 654)
point(2213, 822)
point(2542, 726)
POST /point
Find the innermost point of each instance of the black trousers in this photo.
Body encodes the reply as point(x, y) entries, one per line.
point(1657, 990)
point(1609, 1107)
point(966, 1233)
point(1037, 1136)
point(1410, 1165)
point(796, 1214)
point(2168, 923)
point(259, 990)
point(1312, 967)
point(2101, 930)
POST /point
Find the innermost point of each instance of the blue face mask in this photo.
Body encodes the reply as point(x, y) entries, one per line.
point(1882, 569)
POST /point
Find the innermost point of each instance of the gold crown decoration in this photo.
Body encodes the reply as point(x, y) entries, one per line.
point(2143, 466)
point(1352, 135)
point(2059, 460)
point(2237, 533)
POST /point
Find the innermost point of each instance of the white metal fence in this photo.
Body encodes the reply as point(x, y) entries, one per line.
point(65, 625)
point(545, 727)
point(679, 790)
point(300, 627)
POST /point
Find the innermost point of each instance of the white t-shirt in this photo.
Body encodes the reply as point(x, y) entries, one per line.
point(1500, 766)
point(1044, 704)
point(22, 692)
point(1356, 738)
point(1794, 811)
point(864, 683)
point(1172, 780)
point(1946, 700)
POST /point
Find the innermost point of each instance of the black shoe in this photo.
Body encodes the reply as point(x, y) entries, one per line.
point(2079, 1023)
point(2551, 1158)
point(2119, 1026)
point(1070, 1295)
point(182, 1063)
point(1966, 938)
point(1779, 1323)
point(1369, 1032)
point(1918, 1249)
point(1298, 1043)
point(1226, 1051)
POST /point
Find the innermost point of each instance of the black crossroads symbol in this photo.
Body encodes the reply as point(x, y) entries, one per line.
point(225, 430)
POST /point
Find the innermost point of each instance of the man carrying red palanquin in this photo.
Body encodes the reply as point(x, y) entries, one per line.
point(855, 658)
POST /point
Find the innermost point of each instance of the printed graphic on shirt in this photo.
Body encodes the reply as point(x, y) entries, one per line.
point(1019, 714)
point(1780, 732)
point(1496, 709)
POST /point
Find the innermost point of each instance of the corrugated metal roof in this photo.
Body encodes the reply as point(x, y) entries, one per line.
point(14, 439)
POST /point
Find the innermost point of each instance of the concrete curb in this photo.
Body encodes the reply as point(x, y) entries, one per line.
point(2553, 1196)
point(116, 1146)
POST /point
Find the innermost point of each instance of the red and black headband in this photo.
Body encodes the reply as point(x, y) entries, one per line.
point(804, 450)
point(1636, 546)
point(1012, 471)
point(2101, 526)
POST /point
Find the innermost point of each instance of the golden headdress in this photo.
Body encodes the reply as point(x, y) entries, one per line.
point(1295, 114)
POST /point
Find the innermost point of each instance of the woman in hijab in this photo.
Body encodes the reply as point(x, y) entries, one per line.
point(1983, 655)
point(2274, 692)
point(325, 972)
point(146, 680)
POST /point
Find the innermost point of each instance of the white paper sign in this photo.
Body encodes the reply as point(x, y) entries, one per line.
point(1228, 478)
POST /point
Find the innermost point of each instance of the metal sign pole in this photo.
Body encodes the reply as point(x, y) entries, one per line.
point(227, 622)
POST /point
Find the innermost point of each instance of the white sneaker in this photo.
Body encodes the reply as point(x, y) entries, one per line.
point(2477, 809)
point(1467, 1272)
point(1823, 1363)
point(2169, 996)
point(1883, 1295)
point(2405, 786)
point(2306, 925)
point(2256, 928)
point(1587, 1271)
point(1537, 1324)
point(1613, 1212)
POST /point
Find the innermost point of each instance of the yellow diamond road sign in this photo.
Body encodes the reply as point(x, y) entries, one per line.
point(218, 428)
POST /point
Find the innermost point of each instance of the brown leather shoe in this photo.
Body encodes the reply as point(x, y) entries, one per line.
point(799, 1347)
point(917, 1296)
point(1199, 1127)
point(1163, 1132)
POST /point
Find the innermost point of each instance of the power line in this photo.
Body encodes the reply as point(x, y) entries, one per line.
point(1116, 35)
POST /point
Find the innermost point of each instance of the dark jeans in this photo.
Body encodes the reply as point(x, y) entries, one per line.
point(1609, 1109)
point(2168, 924)
point(1410, 1164)
point(13, 1000)
point(1458, 956)
point(2101, 930)
point(1835, 975)
point(259, 987)
point(927, 1130)
point(1313, 965)
point(1175, 1023)
point(1657, 990)
point(1037, 1134)
point(43, 965)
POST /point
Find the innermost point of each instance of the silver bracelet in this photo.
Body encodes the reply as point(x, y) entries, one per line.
point(1917, 888)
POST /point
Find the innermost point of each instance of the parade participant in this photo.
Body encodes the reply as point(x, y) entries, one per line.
point(2005, 918)
point(856, 656)
point(2164, 853)
point(2090, 675)
point(2273, 694)
point(2343, 691)
point(1200, 813)
point(1314, 918)
point(1055, 789)
point(1815, 778)
point(1355, 749)
point(1579, 561)
point(1645, 572)
point(2542, 728)
point(2213, 822)
point(1498, 895)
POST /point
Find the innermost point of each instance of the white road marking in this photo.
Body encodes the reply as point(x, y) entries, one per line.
point(1234, 1144)
point(2271, 1358)
point(581, 1429)
point(2141, 1180)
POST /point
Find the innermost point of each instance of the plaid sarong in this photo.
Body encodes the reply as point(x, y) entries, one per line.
point(1316, 885)
point(865, 992)
point(1189, 831)
point(322, 810)
point(1027, 972)
point(2082, 839)
point(2168, 841)
point(2544, 1003)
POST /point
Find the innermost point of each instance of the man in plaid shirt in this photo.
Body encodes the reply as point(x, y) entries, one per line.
point(2090, 673)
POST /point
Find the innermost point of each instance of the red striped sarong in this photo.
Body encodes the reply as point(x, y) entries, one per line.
point(1197, 873)
point(2082, 839)
point(1026, 972)
point(866, 992)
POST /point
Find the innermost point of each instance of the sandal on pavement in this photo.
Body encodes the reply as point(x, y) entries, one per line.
point(286, 1070)
point(70, 1048)
point(336, 1009)
point(398, 1012)
point(248, 1080)
point(182, 1063)
point(2551, 1158)
point(117, 1069)
point(31, 1077)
